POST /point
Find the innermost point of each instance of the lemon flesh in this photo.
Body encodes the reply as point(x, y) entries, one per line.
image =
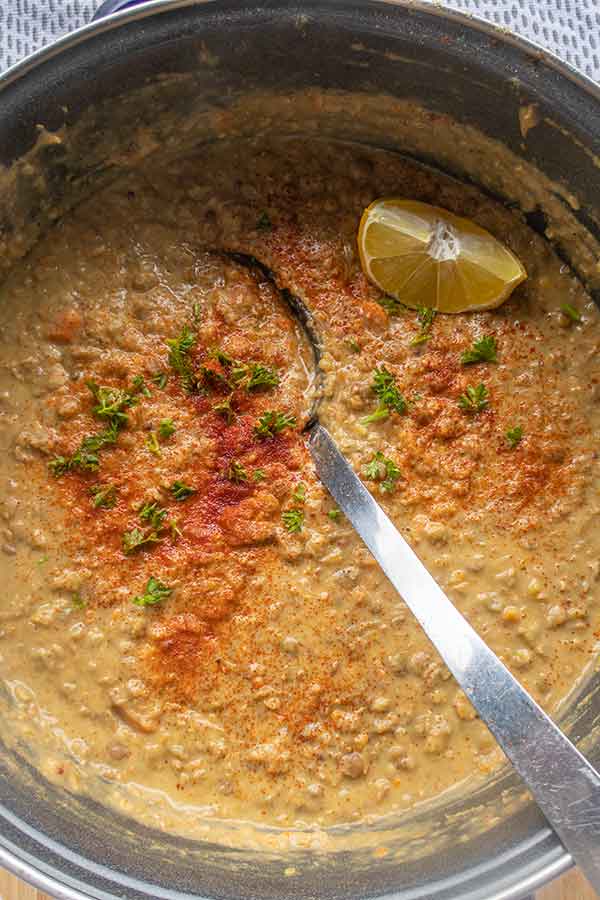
point(423, 255)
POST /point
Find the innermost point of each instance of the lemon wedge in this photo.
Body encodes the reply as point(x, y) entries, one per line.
point(423, 255)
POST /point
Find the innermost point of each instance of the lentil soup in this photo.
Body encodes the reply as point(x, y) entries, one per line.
point(188, 621)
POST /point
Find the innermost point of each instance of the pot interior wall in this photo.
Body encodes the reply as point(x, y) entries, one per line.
point(352, 71)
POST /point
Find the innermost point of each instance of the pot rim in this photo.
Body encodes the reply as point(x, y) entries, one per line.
point(23, 866)
point(147, 8)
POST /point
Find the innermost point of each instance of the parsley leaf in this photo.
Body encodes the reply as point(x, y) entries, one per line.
point(94, 442)
point(179, 358)
point(215, 378)
point(160, 380)
point(59, 465)
point(475, 399)
point(152, 444)
point(382, 469)
point(166, 428)
point(111, 404)
point(225, 409)
point(154, 514)
point(255, 375)
point(258, 475)
point(354, 345)
point(181, 491)
point(136, 538)
point(224, 358)
point(334, 514)
point(81, 459)
point(155, 592)
point(236, 472)
point(140, 386)
point(264, 222)
point(300, 493)
point(570, 312)
point(105, 496)
point(271, 423)
point(390, 398)
point(425, 316)
point(514, 436)
point(261, 378)
point(392, 306)
point(293, 519)
point(483, 350)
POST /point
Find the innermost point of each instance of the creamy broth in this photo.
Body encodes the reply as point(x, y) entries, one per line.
point(281, 680)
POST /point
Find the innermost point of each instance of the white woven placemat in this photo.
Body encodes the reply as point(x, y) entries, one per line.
point(570, 28)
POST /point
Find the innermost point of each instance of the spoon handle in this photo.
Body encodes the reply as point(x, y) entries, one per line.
point(563, 783)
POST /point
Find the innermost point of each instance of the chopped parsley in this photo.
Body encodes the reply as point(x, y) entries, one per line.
point(475, 399)
point(570, 312)
point(166, 428)
point(175, 529)
point(334, 514)
point(299, 493)
point(224, 358)
point(514, 436)
point(110, 404)
point(86, 457)
point(354, 345)
point(179, 358)
point(104, 496)
point(153, 514)
point(253, 376)
point(225, 409)
point(483, 350)
point(94, 442)
point(181, 491)
point(78, 601)
point(390, 399)
point(136, 538)
point(392, 306)
point(425, 317)
point(236, 472)
point(261, 378)
point(60, 464)
point(160, 380)
point(263, 222)
point(152, 444)
point(215, 378)
point(140, 386)
point(258, 475)
point(293, 519)
point(196, 313)
point(79, 460)
point(154, 593)
point(271, 423)
point(384, 470)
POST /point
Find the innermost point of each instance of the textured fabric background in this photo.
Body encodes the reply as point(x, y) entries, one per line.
point(570, 28)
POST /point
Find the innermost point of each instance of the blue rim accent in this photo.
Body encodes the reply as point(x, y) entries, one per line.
point(113, 6)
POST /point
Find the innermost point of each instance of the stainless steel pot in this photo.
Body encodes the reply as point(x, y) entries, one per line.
point(222, 51)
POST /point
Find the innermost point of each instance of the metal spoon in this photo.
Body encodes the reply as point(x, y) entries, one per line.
point(562, 782)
